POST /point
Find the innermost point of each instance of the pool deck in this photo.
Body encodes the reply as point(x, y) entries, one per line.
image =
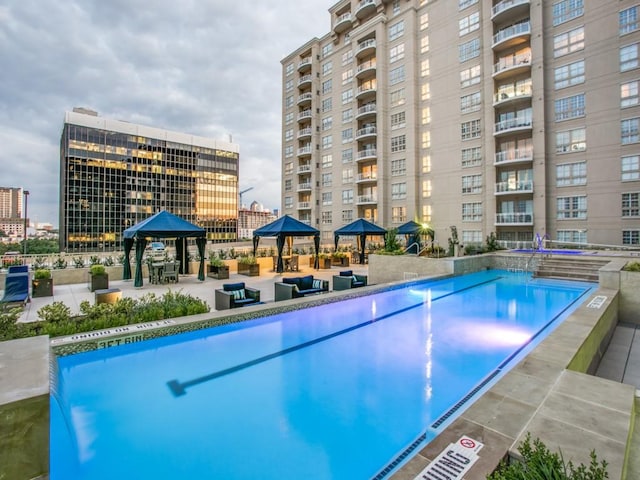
point(566, 409)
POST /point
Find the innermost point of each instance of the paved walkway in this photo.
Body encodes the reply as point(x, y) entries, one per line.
point(621, 361)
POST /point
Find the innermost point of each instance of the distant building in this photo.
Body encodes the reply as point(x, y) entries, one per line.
point(255, 217)
point(114, 174)
point(11, 212)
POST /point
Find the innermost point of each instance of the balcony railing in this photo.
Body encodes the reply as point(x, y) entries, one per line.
point(305, 97)
point(366, 88)
point(368, 108)
point(304, 63)
point(305, 132)
point(367, 153)
point(368, 65)
point(304, 186)
point(513, 94)
point(522, 28)
point(507, 63)
point(305, 79)
point(506, 5)
point(372, 198)
point(364, 7)
point(514, 187)
point(367, 177)
point(304, 205)
point(306, 150)
point(342, 22)
point(304, 114)
point(366, 132)
point(513, 124)
point(304, 168)
point(514, 218)
point(367, 44)
point(514, 155)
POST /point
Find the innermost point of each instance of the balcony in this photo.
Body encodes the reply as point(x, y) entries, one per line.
point(513, 35)
point(366, 132)
point(304, 115)
point(366, 47)
point(366, 154)
point(304, 205)
point(365, 8)
point(509, 9)
point(367, 177)
point(305, 80)
point(305, 98)
point(306, 150)
point(304, 187)
point(366, 110)
point(342, 23)
point(514, 187)
point(512, 125)
point(518, 155)
point(366, 90)
point(366, 69)
point(305, 132)
point(302, 169)
point(513, 94)
point(366, 199)
point(304, 64)
point(514, 219)
point(512, 65)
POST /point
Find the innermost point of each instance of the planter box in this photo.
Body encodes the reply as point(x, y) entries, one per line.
point(98, 282)
point(249, 270)
point(221, 273)
point(325, 262)
point(42, 287)
point(340, 261)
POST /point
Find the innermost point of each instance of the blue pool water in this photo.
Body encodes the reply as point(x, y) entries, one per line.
point(331, 392)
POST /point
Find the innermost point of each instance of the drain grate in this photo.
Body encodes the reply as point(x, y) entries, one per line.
point(396, 461)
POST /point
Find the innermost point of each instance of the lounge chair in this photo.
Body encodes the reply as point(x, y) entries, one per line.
point(296, 287)
point(16, 288)
point(347, 280)
point(233, 295)
point(18, 269)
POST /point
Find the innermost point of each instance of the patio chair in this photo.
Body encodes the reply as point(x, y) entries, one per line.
point(16, 288)
point(293, 263)
point(234, 295)
point(170, 272)
point(18, 269)
point(347, 280)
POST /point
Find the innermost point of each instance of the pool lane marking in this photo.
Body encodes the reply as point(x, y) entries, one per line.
point(179, 388)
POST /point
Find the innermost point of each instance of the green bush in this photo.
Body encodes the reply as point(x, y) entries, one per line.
point(60, 263)
point(247, 260)
point(538, 463)
point(632, 267)
point(42, 274)
point(97, 269)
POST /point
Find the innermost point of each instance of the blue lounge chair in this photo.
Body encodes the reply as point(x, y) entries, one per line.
point(16, 288)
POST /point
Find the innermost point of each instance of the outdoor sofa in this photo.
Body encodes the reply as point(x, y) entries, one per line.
point(234, 295)
point(297, 287)
point(347, 280)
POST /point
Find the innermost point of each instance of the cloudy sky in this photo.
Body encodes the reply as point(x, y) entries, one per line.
point(205, 67)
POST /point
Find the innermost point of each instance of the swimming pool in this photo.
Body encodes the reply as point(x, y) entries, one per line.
point(336, 391)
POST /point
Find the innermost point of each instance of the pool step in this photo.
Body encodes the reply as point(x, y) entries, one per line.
point(569, 268)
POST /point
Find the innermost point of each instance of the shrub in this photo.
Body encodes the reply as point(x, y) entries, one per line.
point(247, 260)
point(108, 261)
point(94, 260)
point(215, 261)
point(539, 463)
point(8, 327)
point(78, 262)
point(39, 263)
point(97, 269)
point(492, 242)
point(632, 267)
point(42, 274)
point(60, 263)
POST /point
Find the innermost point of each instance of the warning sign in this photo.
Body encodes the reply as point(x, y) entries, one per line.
point(453, 462)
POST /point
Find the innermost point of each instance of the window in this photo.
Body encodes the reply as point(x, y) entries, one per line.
point(425, 91)
point(396, 30)
point(567, 10)
point(631, 237)
point(471, 157)
point(631, 204)
point(288, 168)
point(326, 105)
point(396, 7)
point(472, 184)
point(327, 67)
point(571, 174)
point(288, 185)
point(288, 118)
point(472, 212)
point(469, 50)
point(347, 175)
point(398, 191)
point(347, 196)
point(469, 24)
point(326, 217)
point(424, 21)
point(462, 4)
point(327, 49)
point(471, 237)
point(288, 85)
point(288, 102)
point(289, 69)
point(631, 168)
point(347, 216)
point(326, 179)
point(347, 155)
point(347, 76)
point(288, 134)
point(327, 86)
point(470, 130)
point(347, 57)
point(397, 97)
point(425, 116)
point(424, 44)
point(288, 202)
point(568, 42)
point(347, 135)
point(425, 69)
point(629, 94)
point(347, 96)
point(630, 131)
point(569, 107)
point(572, 207)
point(398, 167)
point(628, 57)
point(398, 144)
point(326, 199)
point(327, 141)
point(470, 103)
point(347, 115)
point(425, 139)
point(571, 141)
point(398, 120)
point(398, 214)
point(628, 20)
point(396, 75)
point(572, 236)
point(326, 123)
point(567, 75)
point(470, 76)
point(327, 160)
point(426, 188)
point(288, 151)
point(396, 53)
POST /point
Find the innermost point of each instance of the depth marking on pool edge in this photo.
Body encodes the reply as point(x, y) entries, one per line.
point(179, 388)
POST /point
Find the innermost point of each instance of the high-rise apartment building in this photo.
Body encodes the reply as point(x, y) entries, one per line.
point(114, 174)
point(11, 211)
point(512, 116)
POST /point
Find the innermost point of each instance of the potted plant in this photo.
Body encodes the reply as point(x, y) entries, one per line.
point(42, 284)
point(98, 278)
point(217, 268)
point(325, 260)
point(248, 265)
point(340, 259)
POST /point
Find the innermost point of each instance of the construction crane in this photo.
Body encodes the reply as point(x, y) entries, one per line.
point(243, 191)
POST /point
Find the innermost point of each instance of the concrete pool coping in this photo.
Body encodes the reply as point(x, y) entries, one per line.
point(542, 394)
